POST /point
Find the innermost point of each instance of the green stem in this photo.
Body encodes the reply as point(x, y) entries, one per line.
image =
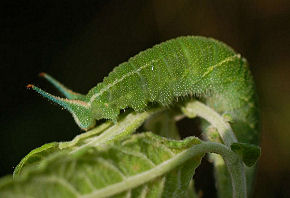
point(235, 166)
point(194, 108)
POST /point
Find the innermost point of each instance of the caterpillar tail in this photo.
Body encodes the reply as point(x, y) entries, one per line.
point(79, 109)
point(61, 88)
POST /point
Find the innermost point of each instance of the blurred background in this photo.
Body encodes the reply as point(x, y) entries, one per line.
point(80, 42)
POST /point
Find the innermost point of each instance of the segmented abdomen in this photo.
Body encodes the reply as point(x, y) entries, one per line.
point(184, 66)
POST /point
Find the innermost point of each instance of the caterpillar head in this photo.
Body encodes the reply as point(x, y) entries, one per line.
point(79, 109)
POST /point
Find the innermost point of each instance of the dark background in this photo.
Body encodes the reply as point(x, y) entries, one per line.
point(80, 42)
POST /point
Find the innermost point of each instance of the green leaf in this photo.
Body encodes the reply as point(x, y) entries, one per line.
point(96, 137)
point(35, 156)
point(38, 154)
point(164, 124)
point(248, 152)
point(142, 165)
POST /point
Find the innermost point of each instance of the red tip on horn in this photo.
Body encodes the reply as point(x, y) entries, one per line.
point(29, 86)
point(42, 74)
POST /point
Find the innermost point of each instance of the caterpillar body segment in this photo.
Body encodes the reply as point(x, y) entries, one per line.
point(179, 67)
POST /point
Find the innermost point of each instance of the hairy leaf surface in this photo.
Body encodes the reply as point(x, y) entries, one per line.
point(143, 165)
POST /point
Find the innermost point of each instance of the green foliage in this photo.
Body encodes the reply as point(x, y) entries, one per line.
point(110, 161)
point(36, 155)
point(139, 165)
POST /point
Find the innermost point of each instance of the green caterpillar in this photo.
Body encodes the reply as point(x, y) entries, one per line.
point(190, 65)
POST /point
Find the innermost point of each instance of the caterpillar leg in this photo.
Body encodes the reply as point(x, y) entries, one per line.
point(61, 88)
point(79, 109)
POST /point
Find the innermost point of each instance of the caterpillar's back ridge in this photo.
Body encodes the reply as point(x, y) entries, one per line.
point(119, 80)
